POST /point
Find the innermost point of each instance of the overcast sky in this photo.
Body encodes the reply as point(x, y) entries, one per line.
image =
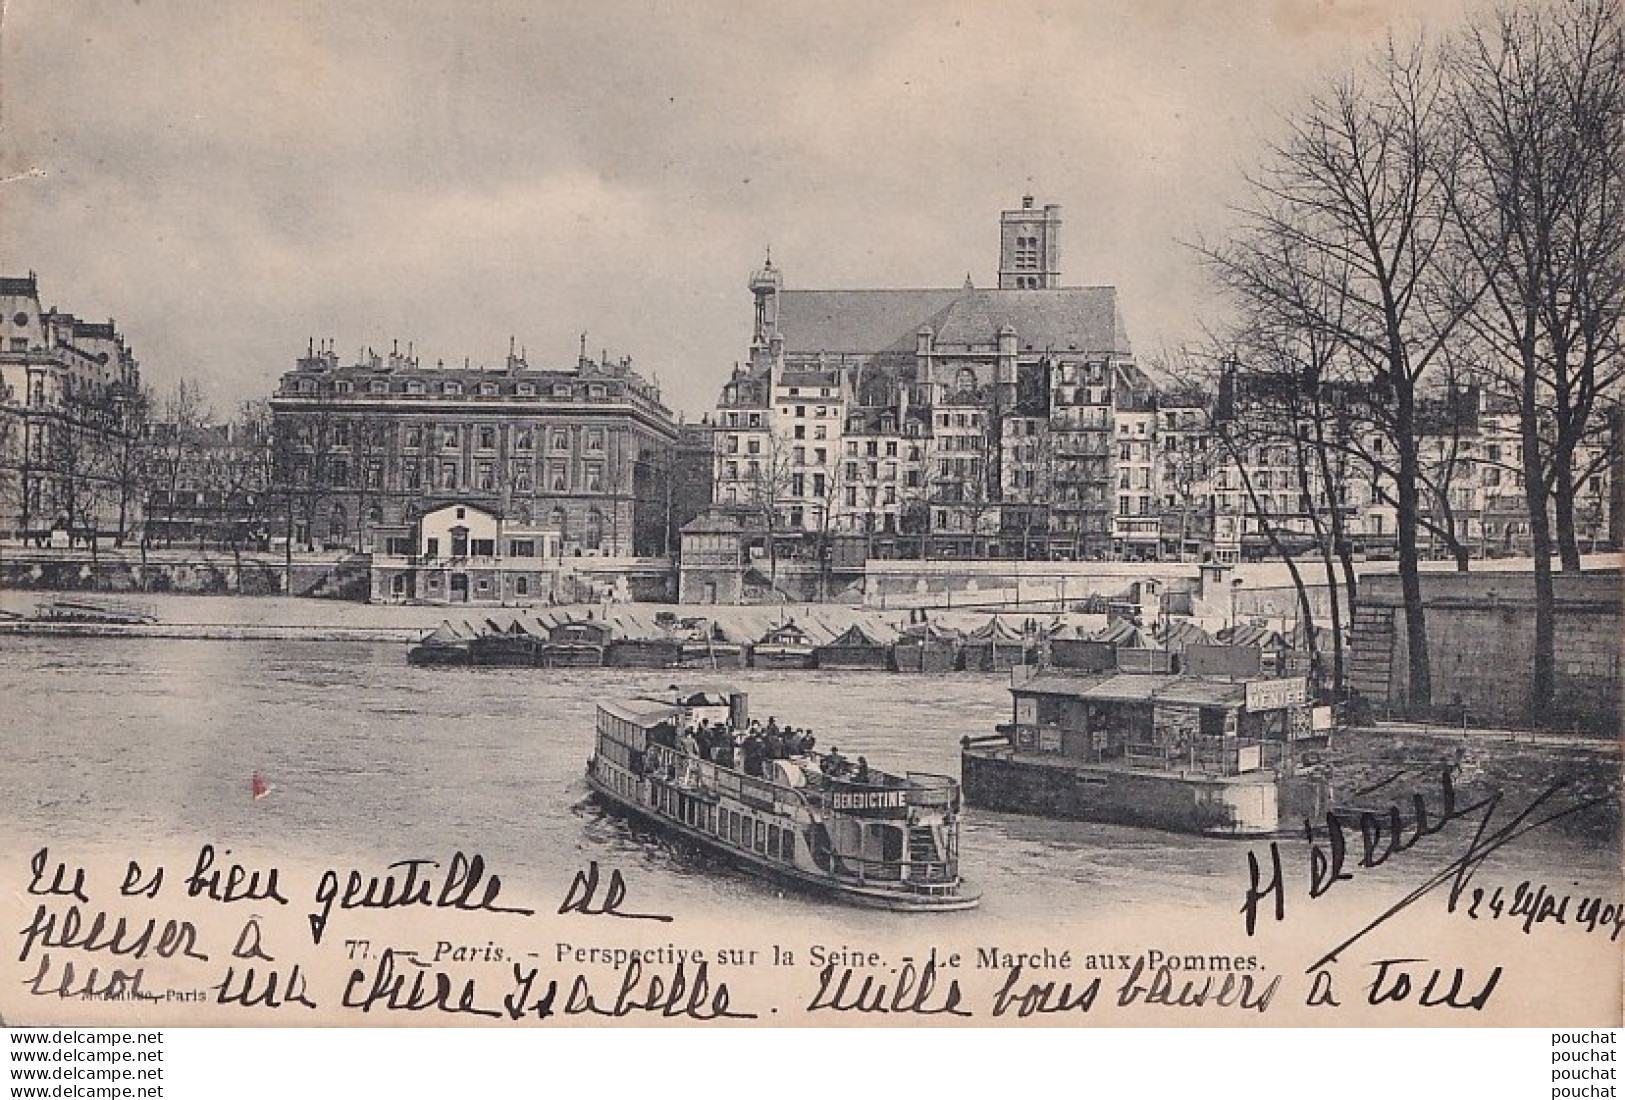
point(228, 179)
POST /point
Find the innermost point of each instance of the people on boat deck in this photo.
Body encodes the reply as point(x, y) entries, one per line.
point(834, 764)
point(751, 750)
point(862, 773)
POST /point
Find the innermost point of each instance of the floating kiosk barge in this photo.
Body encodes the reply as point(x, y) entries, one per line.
point(1186, 753)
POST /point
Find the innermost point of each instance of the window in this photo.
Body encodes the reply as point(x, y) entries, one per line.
point(487, 437)
point(482, 548)
point(488, 389)
point(800, 431)
point(415, 388)
point(595, 439)
point(820, 432)
point(375, 475)
point(558, 480)
point(801, 412)
point(379, 385)
point(521, 586)
point(414, 437)
point(448, 438)
point(753, 447)
point(821, 412)
point(525, 389)
point(595, 477)
point(451, 388)
point(800, 456)
point(561, 439)
point(522, 548)
point(487, 476)
point(521, 477)
point(414, 476)
point(524, 438)
point(448, 475)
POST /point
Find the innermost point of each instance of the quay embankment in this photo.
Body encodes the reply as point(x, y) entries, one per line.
point(281, 618)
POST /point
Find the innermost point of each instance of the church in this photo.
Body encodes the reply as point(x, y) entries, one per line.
point(953, 422)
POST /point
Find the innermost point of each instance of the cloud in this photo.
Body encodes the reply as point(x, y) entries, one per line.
point(228, 179)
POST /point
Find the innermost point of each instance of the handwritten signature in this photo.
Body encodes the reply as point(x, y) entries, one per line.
point(1384, 836)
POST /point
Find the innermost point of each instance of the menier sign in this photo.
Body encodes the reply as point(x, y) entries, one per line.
point(1292, 691)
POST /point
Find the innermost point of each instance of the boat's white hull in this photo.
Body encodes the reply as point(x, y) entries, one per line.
point(867, 896)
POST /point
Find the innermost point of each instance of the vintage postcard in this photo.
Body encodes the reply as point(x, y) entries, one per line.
point(528, 515)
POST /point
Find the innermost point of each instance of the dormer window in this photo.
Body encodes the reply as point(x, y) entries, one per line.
point(488, 389)
point(307, 385)
point(379, 386)
point(525, 389)
point(451, 389)
point(343, 386)
point(415, 388)
point(561, 390)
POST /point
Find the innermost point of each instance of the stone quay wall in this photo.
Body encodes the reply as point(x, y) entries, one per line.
point(1481, 635)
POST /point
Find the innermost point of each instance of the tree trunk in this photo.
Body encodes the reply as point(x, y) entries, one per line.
point(1567, 538)
point(1420, 696)
point(1543, 688)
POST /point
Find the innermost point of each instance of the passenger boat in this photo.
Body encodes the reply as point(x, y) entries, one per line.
point(871, 839)
point(1193, 754)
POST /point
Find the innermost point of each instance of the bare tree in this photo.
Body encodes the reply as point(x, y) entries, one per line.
point(183, 414)
point(239, 482)
point(1538, 98)
point(767, 485)
point(1030, 481)
point(1345, 236)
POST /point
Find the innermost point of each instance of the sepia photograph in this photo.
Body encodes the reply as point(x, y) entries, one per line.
point(521, 515)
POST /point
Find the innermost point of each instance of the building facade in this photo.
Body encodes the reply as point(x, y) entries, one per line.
point(584, 453)
point(70, 393)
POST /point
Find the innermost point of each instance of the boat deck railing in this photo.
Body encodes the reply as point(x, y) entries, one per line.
point(1207, 755)
point(924, 877)
point(924, 790)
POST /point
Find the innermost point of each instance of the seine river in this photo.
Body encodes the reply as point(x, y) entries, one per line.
point(127, 742)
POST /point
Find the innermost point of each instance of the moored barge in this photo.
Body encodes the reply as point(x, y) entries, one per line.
point(1185, 753)
point(771, 804)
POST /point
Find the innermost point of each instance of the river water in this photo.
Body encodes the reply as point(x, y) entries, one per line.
point(373, 759)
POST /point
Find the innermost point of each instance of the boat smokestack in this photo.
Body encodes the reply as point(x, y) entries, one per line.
point(738, 709)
